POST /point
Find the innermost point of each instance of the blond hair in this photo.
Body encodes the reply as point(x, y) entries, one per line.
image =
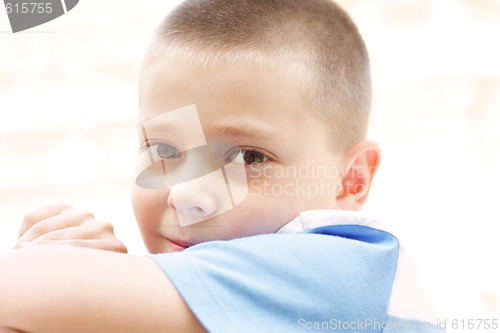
point(314, 38)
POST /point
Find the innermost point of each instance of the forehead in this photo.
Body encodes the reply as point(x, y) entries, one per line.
point(227, 91)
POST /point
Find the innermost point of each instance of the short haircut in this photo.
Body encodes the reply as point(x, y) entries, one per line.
point(315, 38)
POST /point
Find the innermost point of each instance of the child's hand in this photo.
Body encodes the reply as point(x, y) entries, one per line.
point(62, 224)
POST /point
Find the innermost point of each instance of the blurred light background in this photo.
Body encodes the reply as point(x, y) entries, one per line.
point(68, 106)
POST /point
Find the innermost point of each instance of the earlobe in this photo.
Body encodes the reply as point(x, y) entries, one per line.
point(360, 164)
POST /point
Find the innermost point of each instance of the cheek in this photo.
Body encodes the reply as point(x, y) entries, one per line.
point(149, 207)
point(296, 189)
point(261, 215)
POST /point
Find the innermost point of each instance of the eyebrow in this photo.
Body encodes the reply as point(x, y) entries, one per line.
point(160, 127)
point(246, 130)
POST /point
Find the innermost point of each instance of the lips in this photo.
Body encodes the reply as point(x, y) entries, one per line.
point(177, 246)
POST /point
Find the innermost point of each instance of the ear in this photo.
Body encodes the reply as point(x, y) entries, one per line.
point(360, 163)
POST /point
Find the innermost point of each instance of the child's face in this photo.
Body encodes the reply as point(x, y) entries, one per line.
point(289, 163)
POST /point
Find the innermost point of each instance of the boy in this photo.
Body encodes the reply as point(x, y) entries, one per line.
point(253, 119)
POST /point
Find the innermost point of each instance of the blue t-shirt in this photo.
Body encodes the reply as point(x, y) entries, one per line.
point(331, 278)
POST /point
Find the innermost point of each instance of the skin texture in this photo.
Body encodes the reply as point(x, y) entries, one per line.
point(8, 330)
point(54, 287)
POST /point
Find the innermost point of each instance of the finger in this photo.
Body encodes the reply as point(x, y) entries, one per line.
point(111, 244)
point(66, 219)
point(41, 214)
point(90, 230)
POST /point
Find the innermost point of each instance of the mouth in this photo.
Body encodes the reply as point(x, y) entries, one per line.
point(177, 246)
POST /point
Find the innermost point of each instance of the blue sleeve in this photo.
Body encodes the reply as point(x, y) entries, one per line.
point(288, 282)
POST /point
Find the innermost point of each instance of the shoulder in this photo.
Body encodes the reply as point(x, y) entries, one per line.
point(276, 280)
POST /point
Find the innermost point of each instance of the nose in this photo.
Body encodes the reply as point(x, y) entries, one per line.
point(200, 199)
point(192, 201)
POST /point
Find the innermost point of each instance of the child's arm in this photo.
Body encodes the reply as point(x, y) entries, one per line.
point(57, 288)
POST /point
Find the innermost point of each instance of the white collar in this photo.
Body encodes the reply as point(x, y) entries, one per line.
point(311, 219)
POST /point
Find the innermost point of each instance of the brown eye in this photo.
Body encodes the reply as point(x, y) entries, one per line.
point(247, 157)
point(253, 157)
point(167, 151)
